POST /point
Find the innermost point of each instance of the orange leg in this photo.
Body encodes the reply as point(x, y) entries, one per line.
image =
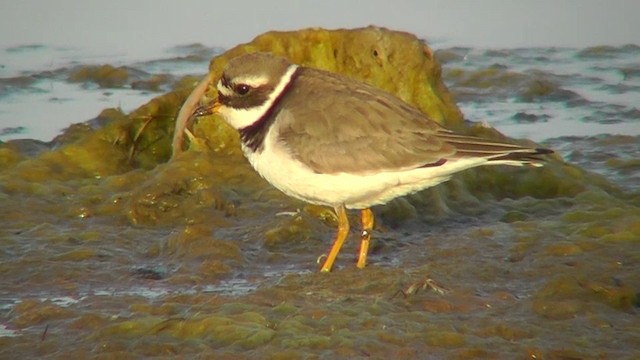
point(367, 227)
point(343, 231)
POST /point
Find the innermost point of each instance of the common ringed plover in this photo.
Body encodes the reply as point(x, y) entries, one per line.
point(331, 140)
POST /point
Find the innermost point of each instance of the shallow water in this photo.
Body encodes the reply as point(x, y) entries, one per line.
point(543, 93)
point(89, 270)
point(35, 80)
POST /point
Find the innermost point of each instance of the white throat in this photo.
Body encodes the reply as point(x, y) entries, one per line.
point(241, 118)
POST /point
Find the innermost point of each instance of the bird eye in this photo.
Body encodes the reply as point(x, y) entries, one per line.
point(242, 89)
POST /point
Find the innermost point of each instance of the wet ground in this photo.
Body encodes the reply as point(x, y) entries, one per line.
point(221, 265)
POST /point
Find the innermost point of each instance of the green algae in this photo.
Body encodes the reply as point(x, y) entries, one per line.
point(245, 331)
point(106, 76)
point(564, 297)
point(565, 249)
point(514, 216)
point(508, 332)
point(153, 83)
point(294, 229)
point(9, 156)
point(77, 255)
point(31, 312)
point(444, 338)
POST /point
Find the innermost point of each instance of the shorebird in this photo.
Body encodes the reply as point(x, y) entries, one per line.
point(331, 140)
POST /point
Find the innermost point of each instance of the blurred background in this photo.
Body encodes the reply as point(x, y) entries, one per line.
point(43, 43)
point(137, 27)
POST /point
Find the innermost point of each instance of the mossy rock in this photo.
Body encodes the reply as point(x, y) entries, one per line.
point(106, 76)
point(395, 61)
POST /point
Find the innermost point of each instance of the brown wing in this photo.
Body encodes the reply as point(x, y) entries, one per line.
point(335, 127)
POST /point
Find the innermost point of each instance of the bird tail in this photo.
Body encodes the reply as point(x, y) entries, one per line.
point(495, 152)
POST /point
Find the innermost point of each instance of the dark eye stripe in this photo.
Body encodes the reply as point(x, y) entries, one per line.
point(222, 98)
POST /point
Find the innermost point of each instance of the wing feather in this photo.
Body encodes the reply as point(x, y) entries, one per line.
point(335, 125)
point(333, 128)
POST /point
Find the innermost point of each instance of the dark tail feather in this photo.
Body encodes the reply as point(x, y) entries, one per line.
point(530, 157)
point(470, 146)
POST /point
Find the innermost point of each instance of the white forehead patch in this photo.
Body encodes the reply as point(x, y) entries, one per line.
point(223, 89)
point(253, 81)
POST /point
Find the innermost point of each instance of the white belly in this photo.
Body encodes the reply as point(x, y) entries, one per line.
point(354, 191)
